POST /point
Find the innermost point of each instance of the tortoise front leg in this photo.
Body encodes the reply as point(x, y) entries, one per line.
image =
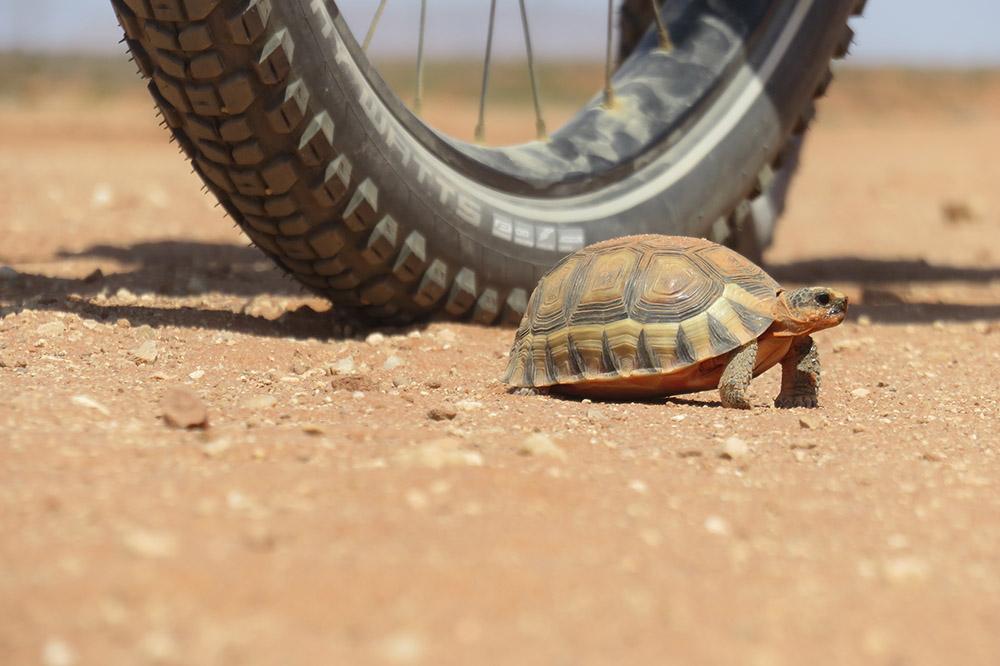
point(735, 380)
point(799, 375)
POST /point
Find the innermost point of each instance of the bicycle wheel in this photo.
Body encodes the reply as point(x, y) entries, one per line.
point(329, 173)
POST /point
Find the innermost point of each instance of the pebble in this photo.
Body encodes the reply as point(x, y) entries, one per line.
point(392, 363)
point(811, 422)
point(375, 339)
point(864, 320)
point(438, 453)
point(150, 544)
point(540, 444)
point(860, 393)
point(259, 402)
point(639, 486)
point(441, 414)
point(52, 329)
point(125, 297)
point(197, 374)
point(344, 366)
point(906, 569)
point(182, 408)
point(358, 395)
point(147, 352)
point(734, 448)
point(678, 418)
point(594, 414)
point(717, 525)
point(469, 405)
point(217, 447)
point(56, 652)
point(446, 335)
point(89, 403)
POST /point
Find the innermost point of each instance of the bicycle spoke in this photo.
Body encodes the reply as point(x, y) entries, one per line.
point(665, 43)
point(609, 93)
point(480, 133)
point(374, 25)
point(418, 101)
point(540, 130)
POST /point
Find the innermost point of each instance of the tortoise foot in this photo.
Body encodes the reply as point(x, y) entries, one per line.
point(789, 401)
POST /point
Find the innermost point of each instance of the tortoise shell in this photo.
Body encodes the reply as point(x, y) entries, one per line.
point(653, 307)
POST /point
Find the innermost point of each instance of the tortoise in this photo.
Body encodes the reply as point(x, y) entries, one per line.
point(649, 316)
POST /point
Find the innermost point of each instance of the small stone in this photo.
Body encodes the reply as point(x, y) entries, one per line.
point(90, 324)
point(102, 196)
point(857, 428)
point(57, 652)
point(392, 363)
point(87, 402)
point(300, 364)
point(441, 414)
point(182, 408)
point(468, 405)
point(217, 447)
point(52, 329)
point(313, 429)
point(438, 453)
point(811, 422)
point(717, 525)
point(864, 320)
point(196, 375)
point(375, 339)
point(734, 448)
point(93, 276)
point(860, 393)
point(639, 486)
point(125, 297)
point(906, 569)
point(846, 345)
point(344, 366)
point(358, 395)
point(594, 414)
point(678, 418)
point(259, 402)
point(146, 352)
point(147, 543)
point(957, 212)
point(446, 335)
point(540, 444)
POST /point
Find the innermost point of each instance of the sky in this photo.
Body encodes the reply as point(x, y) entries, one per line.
point(908, 32)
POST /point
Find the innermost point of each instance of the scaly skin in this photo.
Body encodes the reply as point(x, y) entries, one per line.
point(735, 380)
point(800, 375)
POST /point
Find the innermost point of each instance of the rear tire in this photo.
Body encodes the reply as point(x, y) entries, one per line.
point(327, 174)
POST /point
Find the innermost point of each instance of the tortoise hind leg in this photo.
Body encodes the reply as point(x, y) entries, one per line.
point(735, 380)
point(799, 375)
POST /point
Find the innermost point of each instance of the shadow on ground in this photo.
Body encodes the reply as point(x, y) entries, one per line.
point(185, 269)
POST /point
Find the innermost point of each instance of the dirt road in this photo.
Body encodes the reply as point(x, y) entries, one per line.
point(381, 499)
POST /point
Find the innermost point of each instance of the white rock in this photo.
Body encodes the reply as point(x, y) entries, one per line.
point(438, 453)
point(468, 405)
point(860, 393)
point(734, 448)
point(147, 352)
point(147, 543)
point(540, 444)
point(717, 525)
point(678, 418)
point(344, 366)
point(260, 402)
point(102, 197)
point(906, 569)
point(375, 338)
point(87, 402)
point(125, 296)
point(57, 652)
point(392, 362)
point(197, 374)
point(638, 486)
point(446, 335)
point(52, 329)
point(358, 395)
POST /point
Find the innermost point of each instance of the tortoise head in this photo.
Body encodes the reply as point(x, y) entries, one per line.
point(807, 310)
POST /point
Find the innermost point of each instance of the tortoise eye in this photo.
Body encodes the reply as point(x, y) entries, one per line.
point(823, 298)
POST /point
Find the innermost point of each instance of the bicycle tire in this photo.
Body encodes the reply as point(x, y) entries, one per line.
point(322, 168)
